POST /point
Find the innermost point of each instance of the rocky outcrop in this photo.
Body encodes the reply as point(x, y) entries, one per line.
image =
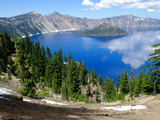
point(35, 23)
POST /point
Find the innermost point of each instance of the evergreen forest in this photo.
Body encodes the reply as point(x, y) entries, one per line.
point(35, 65)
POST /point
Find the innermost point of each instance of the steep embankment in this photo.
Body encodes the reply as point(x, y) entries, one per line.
point(13, 107)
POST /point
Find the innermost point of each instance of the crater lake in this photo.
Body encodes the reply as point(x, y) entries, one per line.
point(109, 56)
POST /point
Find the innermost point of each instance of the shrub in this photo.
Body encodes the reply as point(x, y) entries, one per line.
point(119, 97)
point(1, 79)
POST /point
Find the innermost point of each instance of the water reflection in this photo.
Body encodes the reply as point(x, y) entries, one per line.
point(134, 48)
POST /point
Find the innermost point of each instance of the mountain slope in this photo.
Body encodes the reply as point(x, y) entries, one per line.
point(34, 23)
point(131, 23)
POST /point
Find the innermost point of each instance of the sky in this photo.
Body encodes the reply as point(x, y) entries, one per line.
point(83, 8)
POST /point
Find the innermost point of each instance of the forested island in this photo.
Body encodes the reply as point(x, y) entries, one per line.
point(103, 30)
point(38, 68)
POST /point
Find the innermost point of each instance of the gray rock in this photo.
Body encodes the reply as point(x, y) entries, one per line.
point(34, 23)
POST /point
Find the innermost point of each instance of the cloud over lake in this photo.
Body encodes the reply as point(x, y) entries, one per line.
point(135, 48)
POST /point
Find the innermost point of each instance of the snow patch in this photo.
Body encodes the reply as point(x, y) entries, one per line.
point(52, 102)
point(46, 32)
point(6, 91)
point(27, 100)
point(126, 108)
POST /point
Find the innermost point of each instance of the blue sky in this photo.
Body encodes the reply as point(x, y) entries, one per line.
point(82, 8)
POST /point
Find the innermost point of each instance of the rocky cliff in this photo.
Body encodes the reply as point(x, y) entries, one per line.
point(34, 23)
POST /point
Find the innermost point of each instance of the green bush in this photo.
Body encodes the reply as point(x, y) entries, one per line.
point(44, 92)
point(119, 97)
point(1, 79)
point(21, 91)
point(39, 94)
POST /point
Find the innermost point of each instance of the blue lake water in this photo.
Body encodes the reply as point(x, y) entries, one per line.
point(109, 56)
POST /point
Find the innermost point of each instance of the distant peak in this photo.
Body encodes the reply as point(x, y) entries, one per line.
point(33, 12)
point(128, 15)
point(56, 13)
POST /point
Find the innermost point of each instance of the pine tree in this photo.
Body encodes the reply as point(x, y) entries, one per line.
point(60, 61)
point(157, 86)
point(20, 59)
point(6, 49)
point(113, 90)
point(138, 84)
point(69, 57)
point(97, 94)
point(155, 58)
point(82, 73)
point(49, 73)
point(27, 46)
point(131, 83)
point(57, 74)
point(29, 85)
point(124, 88)
point(64, 90)
point(110, 89)
point(118, 82)
point(155, 78)
point(44, 61)
point(101, 81)
point(94, 76)
point(147, 84)
point(73, 81)
point(49, 53)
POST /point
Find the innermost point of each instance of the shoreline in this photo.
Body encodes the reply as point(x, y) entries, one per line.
point(55, 31)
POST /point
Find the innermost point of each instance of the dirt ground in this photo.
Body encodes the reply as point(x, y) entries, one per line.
point(20, 110)
point(15, 109)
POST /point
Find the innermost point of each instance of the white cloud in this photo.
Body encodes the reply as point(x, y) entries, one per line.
point(135, 49)
point(85, 9)
point(150, 10)
point(87, 2)
point(149, 5)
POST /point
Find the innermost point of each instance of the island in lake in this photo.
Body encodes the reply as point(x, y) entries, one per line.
point(104, 29)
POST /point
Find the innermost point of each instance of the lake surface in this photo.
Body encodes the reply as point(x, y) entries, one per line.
point(109, 56)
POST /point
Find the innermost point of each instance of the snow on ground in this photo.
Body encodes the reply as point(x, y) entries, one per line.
point(27, 100)
point(52, 102)
point(126, 108)
point(47, 101)
point(6, 91)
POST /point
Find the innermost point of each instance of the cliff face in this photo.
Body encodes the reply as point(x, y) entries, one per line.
point(34, 23)
point(132, 23)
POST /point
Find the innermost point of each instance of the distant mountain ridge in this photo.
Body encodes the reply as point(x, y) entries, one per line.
point(34, 23)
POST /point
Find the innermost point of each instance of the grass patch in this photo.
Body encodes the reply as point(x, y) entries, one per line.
point(1, 79)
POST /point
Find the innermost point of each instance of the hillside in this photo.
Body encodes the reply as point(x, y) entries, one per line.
point(103, 30)
point(34, 23)
point(14, 108)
